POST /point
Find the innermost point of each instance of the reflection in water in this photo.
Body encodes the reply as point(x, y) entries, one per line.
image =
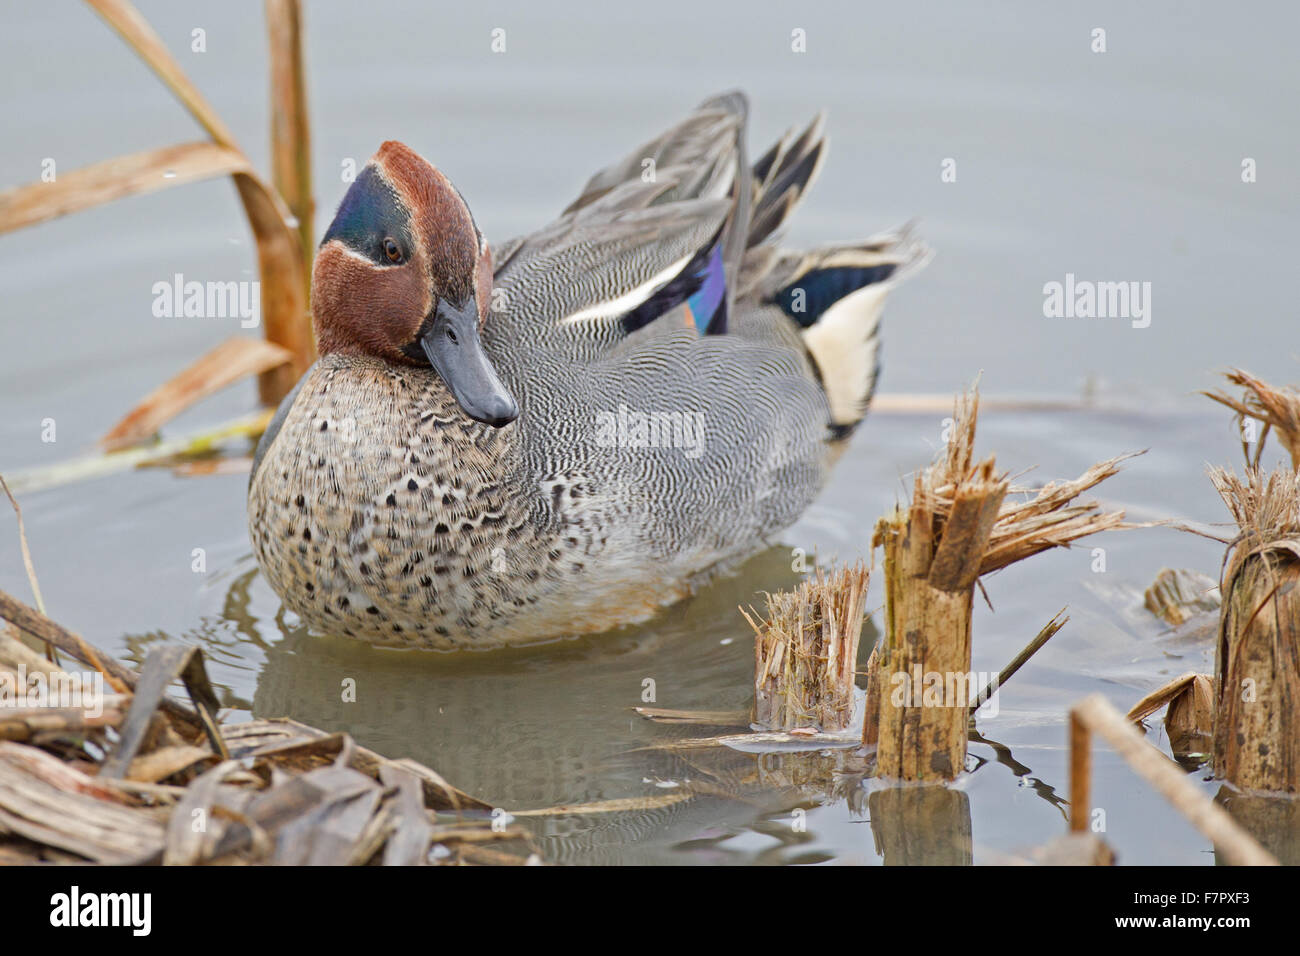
point(1002, 754)
point(925, 825)
point(1272, 819)
point(554, 725)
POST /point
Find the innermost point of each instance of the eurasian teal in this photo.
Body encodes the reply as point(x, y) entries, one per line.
point(566, 435)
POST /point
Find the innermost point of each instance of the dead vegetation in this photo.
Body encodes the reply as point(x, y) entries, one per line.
point(806, 650)
point(1276, 408)
point(133, 776)
point(1189, 720)
point(279, 214)
point(1247, 714)
point(1177, 595)
point(1024, 522)
point(1257, 705)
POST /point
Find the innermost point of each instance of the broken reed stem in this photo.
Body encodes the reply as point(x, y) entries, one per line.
point(279, 252)
point(135, 30)
point(1164, 694)
point(50, 653)
point(1080, 773)
point(957, 527)
point(1274, 407)
point(927, 633)
point(933, 552)
point(97, 465)
point(1029, 650)
point(1189, 721)
point(806, 652)
point(1178, 593)
point(118, 676)
point(1094, 714)
point(1257, 660)
point(22, 544)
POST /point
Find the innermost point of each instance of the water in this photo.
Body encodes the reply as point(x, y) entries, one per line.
point(1114, 167)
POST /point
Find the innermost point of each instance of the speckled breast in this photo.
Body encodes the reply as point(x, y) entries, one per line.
point(380, 512)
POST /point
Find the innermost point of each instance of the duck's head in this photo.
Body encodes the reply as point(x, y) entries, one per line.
point(404, 275)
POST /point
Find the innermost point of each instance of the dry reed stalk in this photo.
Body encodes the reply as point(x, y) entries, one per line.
point(1029, 650)
point(290, 129)
point(806, 651)
point(1094, 714)
point(279, 251)
point(1257, 660)
point(227, 363)
point(1051, 519)
point(28, 619)
point(117, 178)
point(1162, 695)
point(284, 301)
point(135, 30)
point(273, 791)
point(163, 453)
point(29, 567)
point(1274, 407)
point(715, 718)
point(27, 723)
point(1189, 721)
point(16, 654)
point(940, 403)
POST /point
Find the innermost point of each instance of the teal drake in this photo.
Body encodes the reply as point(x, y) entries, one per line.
point(567, 432)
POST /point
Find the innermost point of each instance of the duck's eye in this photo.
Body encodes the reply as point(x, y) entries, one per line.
point(392, 251)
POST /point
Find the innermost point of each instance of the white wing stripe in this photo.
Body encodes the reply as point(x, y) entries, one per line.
point(628, 301)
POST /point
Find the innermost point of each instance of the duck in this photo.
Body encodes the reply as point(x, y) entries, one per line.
point(563, 434)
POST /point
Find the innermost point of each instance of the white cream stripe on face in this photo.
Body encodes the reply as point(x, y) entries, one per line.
point(352, 253)
point(628, 301)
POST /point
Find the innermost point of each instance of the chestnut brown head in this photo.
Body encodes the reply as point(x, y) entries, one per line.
point(404, 275)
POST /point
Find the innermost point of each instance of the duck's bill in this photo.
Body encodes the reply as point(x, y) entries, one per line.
point(456, 353)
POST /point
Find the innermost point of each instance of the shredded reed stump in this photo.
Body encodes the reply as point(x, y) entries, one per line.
point(1257, 661)
point(958, 527)
point(932, 561)
point(806, 651)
